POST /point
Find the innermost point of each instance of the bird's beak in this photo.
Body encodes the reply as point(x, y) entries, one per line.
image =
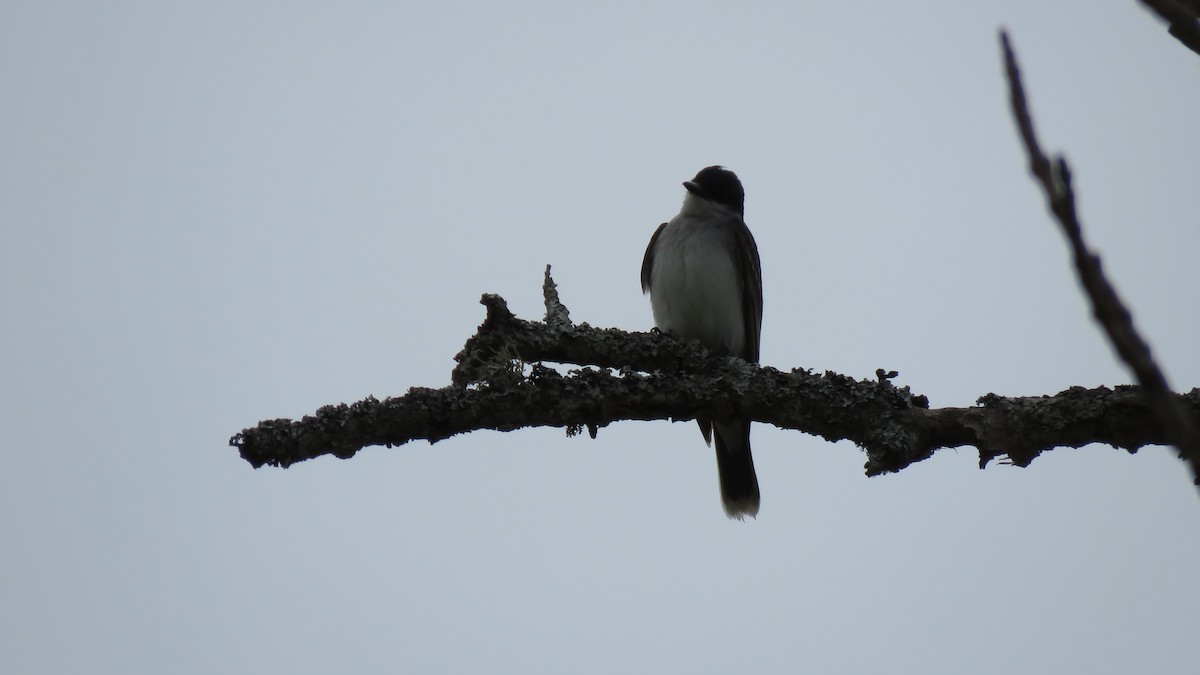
point(693, 188)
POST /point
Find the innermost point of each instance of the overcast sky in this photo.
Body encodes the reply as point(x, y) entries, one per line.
point(216, 213)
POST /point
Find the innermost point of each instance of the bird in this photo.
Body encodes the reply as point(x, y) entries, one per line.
point(704, 278)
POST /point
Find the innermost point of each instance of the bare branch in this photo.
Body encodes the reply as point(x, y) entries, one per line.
point(1107, 308)
point(1182, 17)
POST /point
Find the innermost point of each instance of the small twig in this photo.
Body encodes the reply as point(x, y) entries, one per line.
point(1107, 308)
point(557, 315)
point(1182, 17)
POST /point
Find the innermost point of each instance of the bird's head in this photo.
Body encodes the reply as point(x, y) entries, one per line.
point(720, 186)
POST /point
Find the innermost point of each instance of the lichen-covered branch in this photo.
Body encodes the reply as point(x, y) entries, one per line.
point(650, 376)
point(1107, 308)
point(502, 383)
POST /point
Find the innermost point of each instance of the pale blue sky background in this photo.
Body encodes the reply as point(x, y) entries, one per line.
point(216, 213)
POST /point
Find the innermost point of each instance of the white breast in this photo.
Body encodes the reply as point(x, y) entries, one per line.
point(695, 290)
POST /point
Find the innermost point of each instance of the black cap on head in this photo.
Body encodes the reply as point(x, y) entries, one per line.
point(718, 184)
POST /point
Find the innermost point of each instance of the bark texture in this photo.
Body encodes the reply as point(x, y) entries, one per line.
point(502, 383)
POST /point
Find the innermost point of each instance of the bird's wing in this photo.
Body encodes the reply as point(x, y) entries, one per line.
point(648, 260)
point(749, 270)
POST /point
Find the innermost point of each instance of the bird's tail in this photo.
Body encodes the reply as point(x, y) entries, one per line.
point(735, 467)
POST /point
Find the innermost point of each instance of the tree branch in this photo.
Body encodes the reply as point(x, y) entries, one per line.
point(1107, 308)
point(652, 376)
point(1182, 17)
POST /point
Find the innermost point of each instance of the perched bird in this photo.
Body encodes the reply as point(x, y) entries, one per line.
point(705, 283)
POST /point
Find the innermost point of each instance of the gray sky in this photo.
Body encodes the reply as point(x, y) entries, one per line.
point(216, 213)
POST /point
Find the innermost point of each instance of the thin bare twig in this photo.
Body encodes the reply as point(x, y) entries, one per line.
point(1107, 308)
